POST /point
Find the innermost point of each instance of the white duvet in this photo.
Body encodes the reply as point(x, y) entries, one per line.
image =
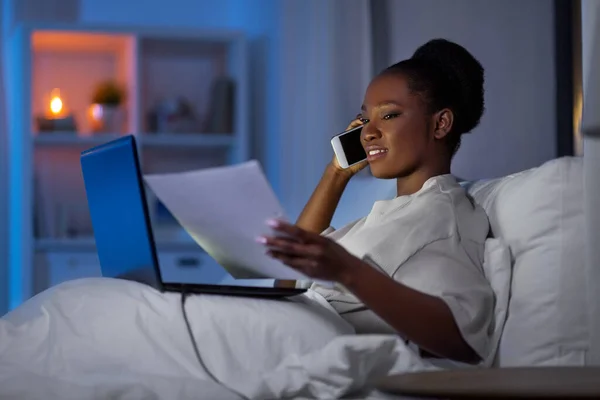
point(102, 338)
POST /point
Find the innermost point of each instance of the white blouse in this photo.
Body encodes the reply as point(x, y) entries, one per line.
point(432, 241)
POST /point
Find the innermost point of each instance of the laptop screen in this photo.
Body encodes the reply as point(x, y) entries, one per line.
point(119, 213)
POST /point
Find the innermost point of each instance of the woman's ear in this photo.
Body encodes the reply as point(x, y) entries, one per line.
point(443, 123)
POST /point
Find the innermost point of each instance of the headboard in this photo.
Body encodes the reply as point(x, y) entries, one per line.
point(590, 128)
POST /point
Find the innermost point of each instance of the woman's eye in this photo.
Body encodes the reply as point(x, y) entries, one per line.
point(390, 116)
point(363, 120)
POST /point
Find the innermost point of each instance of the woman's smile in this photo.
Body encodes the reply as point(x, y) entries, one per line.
point(375, 152)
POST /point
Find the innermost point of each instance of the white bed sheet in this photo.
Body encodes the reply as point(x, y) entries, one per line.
point(102, 338)
point(21, 385)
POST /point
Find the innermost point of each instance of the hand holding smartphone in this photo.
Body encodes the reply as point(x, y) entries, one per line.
point(348, 148)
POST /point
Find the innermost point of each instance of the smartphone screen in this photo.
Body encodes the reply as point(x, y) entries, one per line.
point(353, 149)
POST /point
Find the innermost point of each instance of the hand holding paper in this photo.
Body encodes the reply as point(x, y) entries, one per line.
point(224, 210)
point(312, 254)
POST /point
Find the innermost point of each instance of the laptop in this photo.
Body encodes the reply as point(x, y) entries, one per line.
point(125, 243)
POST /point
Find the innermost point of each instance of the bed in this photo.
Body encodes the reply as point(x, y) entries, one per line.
point(69, 341)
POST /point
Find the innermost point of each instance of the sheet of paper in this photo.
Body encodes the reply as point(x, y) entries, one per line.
point(224, 209)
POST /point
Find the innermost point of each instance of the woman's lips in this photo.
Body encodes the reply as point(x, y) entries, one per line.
point(376, 153)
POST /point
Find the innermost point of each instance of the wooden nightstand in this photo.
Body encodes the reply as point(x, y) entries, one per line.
point(500, 383)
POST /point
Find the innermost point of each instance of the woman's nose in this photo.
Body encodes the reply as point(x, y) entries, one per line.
point(370, 132)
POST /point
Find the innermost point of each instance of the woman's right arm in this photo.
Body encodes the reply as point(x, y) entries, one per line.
point(318, 212)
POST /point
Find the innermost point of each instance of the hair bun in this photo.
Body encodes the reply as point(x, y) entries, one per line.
point(464, 73)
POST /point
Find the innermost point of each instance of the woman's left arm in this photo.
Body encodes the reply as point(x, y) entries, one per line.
point(423, 319)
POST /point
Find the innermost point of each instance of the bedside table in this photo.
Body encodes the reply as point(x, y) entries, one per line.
point(498, 383)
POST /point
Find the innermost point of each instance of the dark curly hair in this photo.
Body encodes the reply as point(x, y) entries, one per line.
point(446, 75)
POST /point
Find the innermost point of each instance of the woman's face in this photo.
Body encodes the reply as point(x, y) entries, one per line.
point(398, 134)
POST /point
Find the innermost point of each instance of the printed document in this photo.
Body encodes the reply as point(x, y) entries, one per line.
point(224, 209)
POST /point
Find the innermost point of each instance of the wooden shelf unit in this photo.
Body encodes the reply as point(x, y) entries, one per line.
point(44, 170)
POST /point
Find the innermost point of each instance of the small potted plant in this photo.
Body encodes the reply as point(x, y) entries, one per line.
point(106, 113)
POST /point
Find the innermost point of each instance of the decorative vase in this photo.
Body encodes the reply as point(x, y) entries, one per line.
point(105, 118)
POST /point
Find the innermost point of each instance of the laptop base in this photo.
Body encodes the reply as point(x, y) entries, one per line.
point(230, 290)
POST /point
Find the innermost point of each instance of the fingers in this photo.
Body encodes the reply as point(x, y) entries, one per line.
point(356, 122)
point(294, 231)
point(304, 265)
point(299, 249)
point(291, 247)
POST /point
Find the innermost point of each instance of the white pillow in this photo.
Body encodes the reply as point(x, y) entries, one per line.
point(539, 214)
point(497, 269)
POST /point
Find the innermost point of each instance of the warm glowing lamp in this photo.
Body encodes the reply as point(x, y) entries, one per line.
point(56, 117)
point(56, 105)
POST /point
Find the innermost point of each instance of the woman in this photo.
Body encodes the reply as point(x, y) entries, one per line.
point(413, 266)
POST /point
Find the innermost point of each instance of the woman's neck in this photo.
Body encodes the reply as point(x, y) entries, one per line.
point(414, 182)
